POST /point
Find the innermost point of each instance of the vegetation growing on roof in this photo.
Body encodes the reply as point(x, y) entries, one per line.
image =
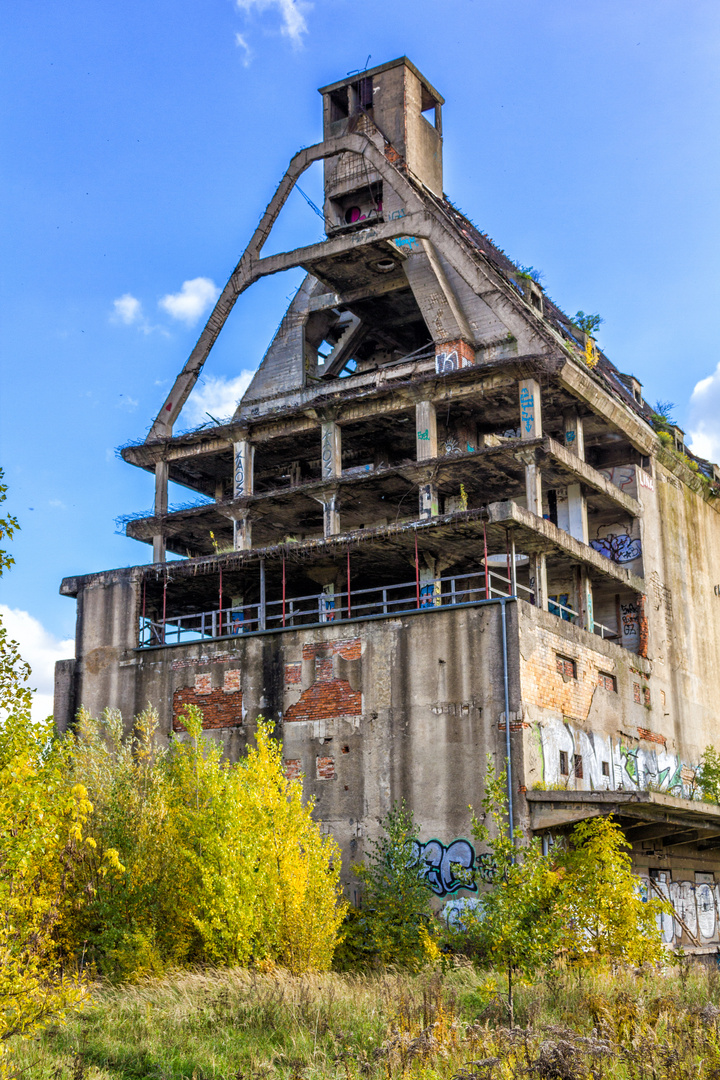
point(589, 324)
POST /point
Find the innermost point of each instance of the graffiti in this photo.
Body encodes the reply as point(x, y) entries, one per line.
point(527, 409)
point(486, 867)
point(570, 436)
point(447, 361)
point(239, 480)
point(424, 436)
point(446, 869)
point(395, 214)
point(452, 446)
point(619, 547)
point(630, 623)
point(608, 763)
point(428, 501)
point(622, 476)
point(460, 911)
point(696, 903)
point(646, 480)
point(327, 452)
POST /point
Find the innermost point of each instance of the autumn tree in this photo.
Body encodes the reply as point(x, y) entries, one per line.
point(217, 862)
point(42, 813)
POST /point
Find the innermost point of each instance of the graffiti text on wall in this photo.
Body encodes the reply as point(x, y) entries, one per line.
point(447, 869)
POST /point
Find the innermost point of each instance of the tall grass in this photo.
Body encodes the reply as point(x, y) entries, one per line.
point(242, 1025)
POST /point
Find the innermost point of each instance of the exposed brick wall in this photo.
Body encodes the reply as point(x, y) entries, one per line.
point(325, 700)
point(651, 736)
point(221, 707)
point(325, 768)
point(293, 673)
point(328, 698)
point(293, 768)
point(545, 686)
point(643, 625)
point(349, 649)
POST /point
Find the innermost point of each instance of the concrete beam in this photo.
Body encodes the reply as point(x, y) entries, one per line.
point(618, 415)
point(426, 445)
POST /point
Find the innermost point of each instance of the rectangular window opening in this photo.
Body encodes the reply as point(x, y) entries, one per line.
point(564, 764)
point(607, 681)
point(606, 768)
point(566, 667)
point(338, 104)
point(578, 766)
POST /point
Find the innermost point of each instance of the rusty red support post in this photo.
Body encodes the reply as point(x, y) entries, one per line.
point(417, 572)
point(283, 593)
point(348, 583)
point(487, 575)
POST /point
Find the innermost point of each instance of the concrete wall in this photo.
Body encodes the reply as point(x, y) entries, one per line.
point(369, 712)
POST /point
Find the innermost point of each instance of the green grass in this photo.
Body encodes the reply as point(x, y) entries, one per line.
point(243, 1025)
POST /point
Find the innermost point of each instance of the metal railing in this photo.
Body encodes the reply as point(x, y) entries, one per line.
point(328, 607)
point(318, 608)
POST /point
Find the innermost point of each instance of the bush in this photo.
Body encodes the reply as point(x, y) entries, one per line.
point(197, 859)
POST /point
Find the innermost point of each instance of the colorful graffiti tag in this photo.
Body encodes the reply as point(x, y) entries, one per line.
point(446, 869)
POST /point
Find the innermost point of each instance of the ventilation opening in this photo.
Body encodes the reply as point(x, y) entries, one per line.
point(339, 104)
point(430, 108)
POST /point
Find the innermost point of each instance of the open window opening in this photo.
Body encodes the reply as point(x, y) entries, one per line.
point(431, 109)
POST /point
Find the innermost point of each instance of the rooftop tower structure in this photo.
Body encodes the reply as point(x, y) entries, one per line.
point(439, 525)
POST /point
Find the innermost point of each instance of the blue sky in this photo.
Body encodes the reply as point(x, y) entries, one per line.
point(143, 140)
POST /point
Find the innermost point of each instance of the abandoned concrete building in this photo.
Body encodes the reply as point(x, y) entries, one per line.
point(440, 525)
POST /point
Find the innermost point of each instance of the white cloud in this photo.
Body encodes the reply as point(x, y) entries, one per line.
point(41, 649)
point(194, 298)
point(217, 396)
point(127, 402)
point(291, 12)
point(704, 412)
point(127, 309)
point(242, 44)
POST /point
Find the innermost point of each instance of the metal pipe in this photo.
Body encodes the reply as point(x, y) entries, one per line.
point(283, 594)
point(487, 576)
point(348, 584)
point(417, 572)
point(261, 612)
point(503, 619)
point(513, 560)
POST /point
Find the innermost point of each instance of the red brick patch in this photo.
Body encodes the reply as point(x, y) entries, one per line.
point(325, 700)
point(203, 684)
point(325, 767)
point(293, 673)
point(651, 736)
point(231, 682)
point(293, 768)
point(220, 709)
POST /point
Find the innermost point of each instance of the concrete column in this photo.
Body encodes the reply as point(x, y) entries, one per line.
point(161, 506)
point(429, 502)
point(425, 430)
point(586, 603)
point(538, 579)
point(533, 488)
point(577, 513)
point(242, 531)
point(530, 409)
point(574, 434)
point(243, 478)
point(331, 450)
point(331, 512)
point(429, 588)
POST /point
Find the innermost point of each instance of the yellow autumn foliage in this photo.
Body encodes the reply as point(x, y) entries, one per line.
point(215, 862)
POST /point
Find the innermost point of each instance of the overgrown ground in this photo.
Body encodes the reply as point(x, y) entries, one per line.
point(244, 1025)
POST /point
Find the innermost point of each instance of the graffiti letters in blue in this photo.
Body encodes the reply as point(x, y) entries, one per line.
point(447, 869)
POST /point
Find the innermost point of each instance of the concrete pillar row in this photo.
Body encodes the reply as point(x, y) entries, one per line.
point(538, 579)
point(426, 444)
point(331, 512)
point(161, 506)
point(530, 409)
point(330, 450)
point(242, 531)
point(243, 469)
